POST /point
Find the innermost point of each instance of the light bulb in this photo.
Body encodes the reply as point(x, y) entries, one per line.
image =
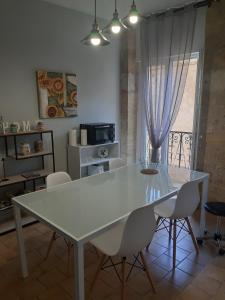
point(133, 19)
point(133, 14)
point(95, 41)
point(115, 28)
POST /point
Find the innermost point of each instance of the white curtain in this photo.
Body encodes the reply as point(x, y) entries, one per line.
point(166, 44)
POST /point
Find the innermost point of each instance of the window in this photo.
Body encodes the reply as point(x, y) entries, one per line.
point(180, 137)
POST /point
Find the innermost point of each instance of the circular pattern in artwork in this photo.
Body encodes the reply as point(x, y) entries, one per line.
point(52, 111)
point(103, 152)
point(58, 85)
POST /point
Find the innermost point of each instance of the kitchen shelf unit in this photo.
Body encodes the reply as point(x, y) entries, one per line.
point(80, 157)
point(23, 178)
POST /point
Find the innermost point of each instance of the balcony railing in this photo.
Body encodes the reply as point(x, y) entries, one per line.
point(179, 149)
point(179, 152)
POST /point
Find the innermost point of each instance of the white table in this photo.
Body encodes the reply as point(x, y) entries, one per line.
point(82, 209)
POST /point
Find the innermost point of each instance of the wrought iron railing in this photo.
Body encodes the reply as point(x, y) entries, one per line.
point(180, 145)
point(179, 149)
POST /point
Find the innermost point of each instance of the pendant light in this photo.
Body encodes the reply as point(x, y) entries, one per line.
point(133, 16)
point(95, 37)
point(116, 24)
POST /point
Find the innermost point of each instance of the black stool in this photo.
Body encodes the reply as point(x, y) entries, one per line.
point(217, 209)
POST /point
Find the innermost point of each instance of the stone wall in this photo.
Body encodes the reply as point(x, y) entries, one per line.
point(211, 150)
point(128, 97)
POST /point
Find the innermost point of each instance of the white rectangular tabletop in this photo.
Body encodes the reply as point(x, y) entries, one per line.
point(86, 206)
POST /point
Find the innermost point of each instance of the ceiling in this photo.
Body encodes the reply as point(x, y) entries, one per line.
point(105, 7)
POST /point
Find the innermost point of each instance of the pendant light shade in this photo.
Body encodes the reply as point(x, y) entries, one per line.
point(116, 24)
point(95, 37)
point(133, 16)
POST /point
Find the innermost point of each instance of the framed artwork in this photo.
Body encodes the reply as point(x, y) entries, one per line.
point(57, 94)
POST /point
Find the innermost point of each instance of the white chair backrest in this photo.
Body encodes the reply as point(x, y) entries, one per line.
point(187, 200)
point(138, 231)
point(57, 178)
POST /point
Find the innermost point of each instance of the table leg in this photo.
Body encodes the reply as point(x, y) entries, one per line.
point(204, 199)
point(19, 232)
point(79, 271)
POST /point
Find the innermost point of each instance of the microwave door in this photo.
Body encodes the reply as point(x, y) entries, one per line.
point(102, 134)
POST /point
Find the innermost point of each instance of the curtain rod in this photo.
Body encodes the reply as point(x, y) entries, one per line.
point(195, 4)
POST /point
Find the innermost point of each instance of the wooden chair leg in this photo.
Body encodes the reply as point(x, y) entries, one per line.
point(97, 272)
point(123, 278)
point(170, 229)
point(53, 238)
point(157, 223)
point(174, 242)
point(158, 220)
point(147, 272)
point(192, 235)
point(96, 251)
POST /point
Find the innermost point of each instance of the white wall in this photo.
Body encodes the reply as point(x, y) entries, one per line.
point(37, 35)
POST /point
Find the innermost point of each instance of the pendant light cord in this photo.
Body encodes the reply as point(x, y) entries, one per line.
point(115, 5)
point(95, 11)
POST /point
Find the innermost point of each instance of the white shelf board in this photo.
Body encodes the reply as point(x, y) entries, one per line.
point(96, 161)
point(98, 145)
point(10, 224)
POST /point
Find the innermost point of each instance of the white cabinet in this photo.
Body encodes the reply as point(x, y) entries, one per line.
point(80, 157)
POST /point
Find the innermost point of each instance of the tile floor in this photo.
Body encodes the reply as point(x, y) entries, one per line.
point(51, 279)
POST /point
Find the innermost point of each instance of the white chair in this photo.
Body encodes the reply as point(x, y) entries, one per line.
point(178, 210)
point(125, 239)
point(51, 181)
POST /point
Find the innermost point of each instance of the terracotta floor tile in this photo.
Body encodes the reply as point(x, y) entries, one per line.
point(207, 284)
point(186, 244)
point(10, 269)
point(164, 241)
point(148, 256)
point(68, 285)
point(192, 293)
point(9, 296)
point(156, 249)
point(179, 278)
point(165, 261)
point(190, 267)
point(101, 291)
point(129, 293)
point(42, 228)
point(204, 257)
point(180, 253)
point(215, 272)
point(164, 291)
point(219, 261)
point(10, 243)
point(140, 284)
point(110, 278)
point(220, 293)
point(56, 293)
point(29, 289)
point(50, 262)
point(7, 253)
point(51, 278)
point(91, 258)
point(157, 272)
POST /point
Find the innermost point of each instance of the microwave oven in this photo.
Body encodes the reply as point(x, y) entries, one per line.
point(99, 133)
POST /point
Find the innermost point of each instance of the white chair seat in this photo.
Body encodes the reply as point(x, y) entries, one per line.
point(127, 238)
point(179, 209)
point(166, 209)
point(109, 241)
